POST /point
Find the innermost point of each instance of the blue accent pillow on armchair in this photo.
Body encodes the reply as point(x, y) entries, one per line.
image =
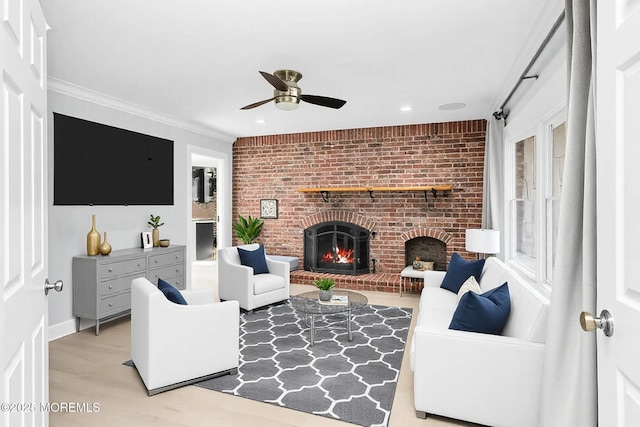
point(255, 259)
point(459, 271)
point(171, 292)
point(486, 313)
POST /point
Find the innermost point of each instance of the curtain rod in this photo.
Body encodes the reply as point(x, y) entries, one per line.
point(500, 114)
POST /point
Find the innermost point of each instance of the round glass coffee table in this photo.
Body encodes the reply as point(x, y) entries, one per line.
point(343, 301)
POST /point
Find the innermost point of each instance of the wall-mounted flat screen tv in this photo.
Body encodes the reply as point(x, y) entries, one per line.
point(96, 164)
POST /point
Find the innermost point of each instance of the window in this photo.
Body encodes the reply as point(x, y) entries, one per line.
point(536, 187)
point(524, 201)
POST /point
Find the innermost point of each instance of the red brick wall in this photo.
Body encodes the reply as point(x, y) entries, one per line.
point(275, 167)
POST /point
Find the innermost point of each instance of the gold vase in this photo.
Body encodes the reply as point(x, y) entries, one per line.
point(105, 247)
point(156, 237)
point(93, 238)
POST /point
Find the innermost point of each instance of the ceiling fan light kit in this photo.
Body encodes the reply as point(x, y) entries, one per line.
point(287, 94)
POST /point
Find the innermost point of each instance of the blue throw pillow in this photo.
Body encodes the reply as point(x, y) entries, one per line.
point(171, 292)
point(459, 271)
point(255, 259)
point(486, 313)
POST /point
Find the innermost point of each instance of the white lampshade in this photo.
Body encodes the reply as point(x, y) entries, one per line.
point(482, 241)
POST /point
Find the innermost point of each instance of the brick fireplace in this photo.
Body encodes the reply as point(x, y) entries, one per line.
point(277, 166)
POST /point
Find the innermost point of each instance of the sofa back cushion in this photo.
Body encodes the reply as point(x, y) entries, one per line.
point(529, 308)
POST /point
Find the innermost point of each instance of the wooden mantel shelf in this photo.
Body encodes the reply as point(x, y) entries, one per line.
point(324, 191)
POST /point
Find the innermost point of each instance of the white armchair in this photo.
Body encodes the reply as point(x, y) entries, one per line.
point(237, 282)
point(173, 345)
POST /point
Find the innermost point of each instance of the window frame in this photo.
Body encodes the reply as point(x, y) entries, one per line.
point(540, 270)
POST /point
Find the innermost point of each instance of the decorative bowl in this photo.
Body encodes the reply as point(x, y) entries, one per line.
point(164, 242)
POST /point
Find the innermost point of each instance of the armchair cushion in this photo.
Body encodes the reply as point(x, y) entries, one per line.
point(255, 259)
point(459, 271)
point(485, 313)
point(171, 292)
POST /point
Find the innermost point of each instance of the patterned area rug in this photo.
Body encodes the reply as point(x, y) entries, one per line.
point(353, 381)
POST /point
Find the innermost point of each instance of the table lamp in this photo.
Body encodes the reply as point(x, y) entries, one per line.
point(482, 241)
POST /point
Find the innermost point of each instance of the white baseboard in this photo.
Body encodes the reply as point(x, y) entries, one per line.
point(62, 329)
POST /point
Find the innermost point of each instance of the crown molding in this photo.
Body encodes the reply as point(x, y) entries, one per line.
point(70, 89)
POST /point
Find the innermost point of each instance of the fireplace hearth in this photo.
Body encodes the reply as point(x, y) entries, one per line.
point(336, 247)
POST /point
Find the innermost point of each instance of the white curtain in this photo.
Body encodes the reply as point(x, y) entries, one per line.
point(569, 390)
point(493, 191)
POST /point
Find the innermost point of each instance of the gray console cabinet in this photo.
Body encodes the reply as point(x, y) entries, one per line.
point(102, 284)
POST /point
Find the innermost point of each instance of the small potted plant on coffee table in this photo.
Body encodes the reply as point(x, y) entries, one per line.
point(324, 286)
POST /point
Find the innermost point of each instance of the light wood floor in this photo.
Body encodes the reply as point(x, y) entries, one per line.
point(85, 368)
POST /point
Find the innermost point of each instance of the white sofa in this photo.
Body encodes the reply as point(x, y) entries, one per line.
point(174, 345)
point(237, 282)
point(488, 379)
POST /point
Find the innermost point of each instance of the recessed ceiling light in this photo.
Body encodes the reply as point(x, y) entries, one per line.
point(261, 121)
point(452, 106)
point(406, 108)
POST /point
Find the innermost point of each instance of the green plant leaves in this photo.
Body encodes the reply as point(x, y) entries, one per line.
point(154, 221)
point(324, 283)
point(248, 229)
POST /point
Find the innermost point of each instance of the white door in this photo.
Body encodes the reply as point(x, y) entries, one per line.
point(24, 358)
point(618, 162)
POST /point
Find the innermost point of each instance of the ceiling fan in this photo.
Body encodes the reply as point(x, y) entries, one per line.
point(287, 94)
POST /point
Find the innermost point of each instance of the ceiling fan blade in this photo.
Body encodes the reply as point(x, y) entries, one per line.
point(257, 104)
point(275, 81)
point(324, 101)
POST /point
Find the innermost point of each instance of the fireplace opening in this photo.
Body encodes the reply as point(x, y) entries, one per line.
point(427, 249)
point(336, 247)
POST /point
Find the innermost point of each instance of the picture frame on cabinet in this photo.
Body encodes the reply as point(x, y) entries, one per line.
point(145, 238)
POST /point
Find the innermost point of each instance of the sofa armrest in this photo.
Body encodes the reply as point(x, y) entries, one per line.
point(199, 296)
point(433, 279)
point(235, 282)
point(279, 268)
point(486, 379)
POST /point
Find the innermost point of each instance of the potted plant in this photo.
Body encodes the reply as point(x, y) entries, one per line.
point(324, 286)
point(154, 222)
point(248, 229)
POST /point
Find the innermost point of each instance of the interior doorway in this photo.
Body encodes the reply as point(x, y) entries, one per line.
point(206, 211)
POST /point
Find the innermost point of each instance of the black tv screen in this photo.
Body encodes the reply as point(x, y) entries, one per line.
point(96, 164)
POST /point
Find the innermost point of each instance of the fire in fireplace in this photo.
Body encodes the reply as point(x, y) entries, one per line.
point(336, 247)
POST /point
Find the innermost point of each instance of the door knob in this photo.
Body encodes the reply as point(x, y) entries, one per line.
point(58, 285)
point(589, 322)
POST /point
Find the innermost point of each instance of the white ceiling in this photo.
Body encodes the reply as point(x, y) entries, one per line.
point(197, 61)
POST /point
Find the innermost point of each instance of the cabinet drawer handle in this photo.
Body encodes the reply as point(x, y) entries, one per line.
point(110, 304)
point(156, 261)
point(110, 270)
point(177, 282)
point(110, 286)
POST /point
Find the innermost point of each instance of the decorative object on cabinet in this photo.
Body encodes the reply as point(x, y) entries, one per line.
point(105, 247)
point(93, 239)
point(269, 208)
point(102, 285)
point(145, 238)
point(164, 243)
point(154, 222)
point(248, 230)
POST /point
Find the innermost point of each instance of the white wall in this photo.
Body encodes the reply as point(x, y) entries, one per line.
point(69, 225)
